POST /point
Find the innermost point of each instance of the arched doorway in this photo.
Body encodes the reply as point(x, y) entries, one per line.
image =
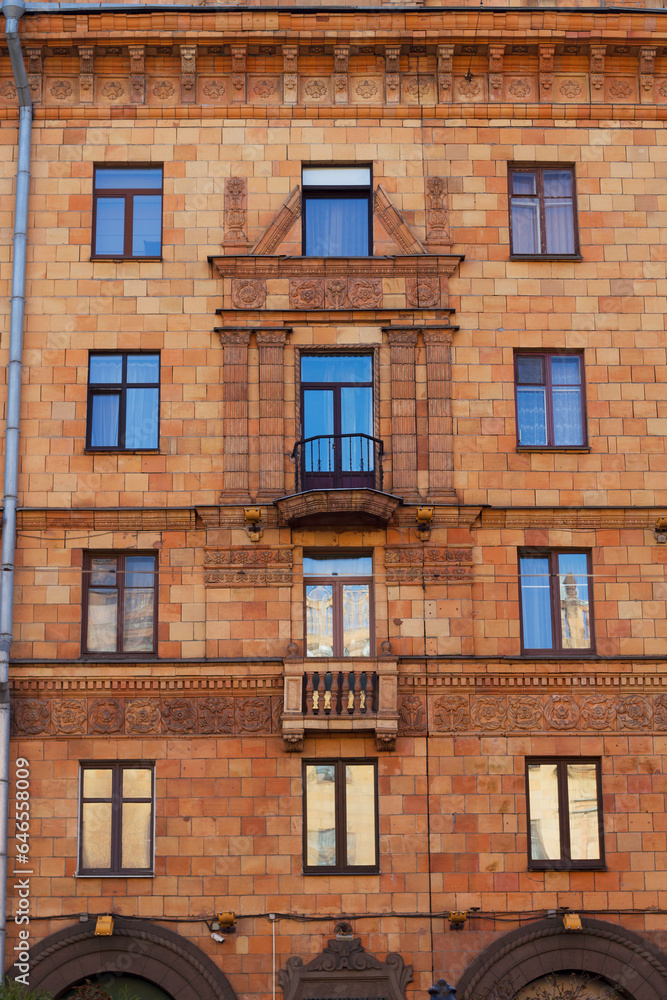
point(121, 987)
point(137, 949)
point(615, 956)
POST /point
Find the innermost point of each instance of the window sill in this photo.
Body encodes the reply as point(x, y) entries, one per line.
point(596, 866)
point(120, 260)
point(119, 657)
point(546, 256)
point(559, 654)
point(114, 874)
point(340, 871)
point(580, 449)
point(122, 451)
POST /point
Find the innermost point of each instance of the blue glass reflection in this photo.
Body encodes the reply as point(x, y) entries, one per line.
point(536, 603)
point(107, 178)
point(336, 227)
point(110, 226)
point(147, 225)
point(329, 565)
point(336, 368)
point(106, 368)
point(143, 368)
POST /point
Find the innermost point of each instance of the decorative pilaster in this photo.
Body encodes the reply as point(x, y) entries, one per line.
point(235, 212)
point(438, 392)
point(35, 72)
point(239, 53)
point(403, 413)
point(496, 53)
point(437, 214)
point(597, 54)
point(445, 53)
point(137, 74)
point(235, 414)
point(188, 73)
point(271, 345)
point(546, 55)
point(290, 73)
point(392, 76)
point(646, 71)
point(341, 60)
point(86, 77)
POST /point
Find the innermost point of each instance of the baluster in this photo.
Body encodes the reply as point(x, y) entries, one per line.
point(347, 692)
point(372, 700)
point(363, 701)
point(311, 695)
point(328, 680)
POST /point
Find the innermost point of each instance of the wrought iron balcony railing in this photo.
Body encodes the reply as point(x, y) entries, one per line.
point(338, 461)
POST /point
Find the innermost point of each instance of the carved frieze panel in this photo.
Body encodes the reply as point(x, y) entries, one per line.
point(407, 564)
point(570, 88)
point(264, 89)
point(468, 91)
point(61, 90)
point(520, 89)
point(163, 90)
point(214, 90)
point(418, 89)
point(248, 566)
point(315, 90)
point(236, 194)
point(179, 716)
point(248, 293)
point(621, 89)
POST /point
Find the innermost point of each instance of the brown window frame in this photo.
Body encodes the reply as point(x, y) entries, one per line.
point(116, 799)
point(315, 192)
point(538, 170)
point(548, 355)
point(336, 583)
point(120, 557)
point(341, 867)
point(128, 195)
point(120, 389)
point(565, 862)
point(554, 592)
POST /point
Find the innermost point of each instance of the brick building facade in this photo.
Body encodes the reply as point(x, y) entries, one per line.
point(341, 476)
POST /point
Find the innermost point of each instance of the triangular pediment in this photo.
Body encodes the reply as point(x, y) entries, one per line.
point(384, 210)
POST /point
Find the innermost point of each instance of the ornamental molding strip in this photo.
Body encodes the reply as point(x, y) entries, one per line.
point(247, 566)
point(280, 226)
point(407, 564)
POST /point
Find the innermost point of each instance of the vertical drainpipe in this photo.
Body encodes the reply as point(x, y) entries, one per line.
point(12, 9)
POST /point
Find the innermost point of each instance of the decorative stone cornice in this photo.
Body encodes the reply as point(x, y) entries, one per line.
point(330, 507)
point(334, 267)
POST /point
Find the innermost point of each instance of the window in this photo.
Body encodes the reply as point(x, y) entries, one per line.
point(116, 819)
point(119, 611)
point(555, 606)
point(337, 212)
point(127, 212)
point(338, 450)
point(542, 212)
point(340, 826)
point(338, 605)
point(564, 813)
point(550, 400)
point(123, 401)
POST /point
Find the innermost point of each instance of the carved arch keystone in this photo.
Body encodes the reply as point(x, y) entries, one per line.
point(345, 969)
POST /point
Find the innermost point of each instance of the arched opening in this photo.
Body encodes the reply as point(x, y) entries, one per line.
point(570, 986)
point(601, 952)
point(138, 952)
point(120, 987)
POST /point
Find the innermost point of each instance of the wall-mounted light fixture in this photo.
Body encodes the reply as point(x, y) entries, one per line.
point(424, 519)
point(252, 517)
point(661, 530)
point(572, 922)
point(457, 919)
point(104, 926)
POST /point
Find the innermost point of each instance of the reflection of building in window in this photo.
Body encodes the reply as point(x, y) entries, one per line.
point(565, 818)
point(116, 818)
point(574, 615)
point(119, 609)
point(340, 818)
point(338, 605)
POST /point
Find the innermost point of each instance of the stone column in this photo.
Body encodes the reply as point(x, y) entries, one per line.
point(271, 428)
point(439, 380)
point(403, 413)
point(235, 415)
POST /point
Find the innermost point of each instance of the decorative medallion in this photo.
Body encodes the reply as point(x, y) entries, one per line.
point(31, 716)
point(316, 89)
point(598, 713)
point(113, 90)
point(163, 89)
point(69, 716)
point(61, 90)
point(634, 713)
point(422, 293)
point(214, 88)
point(179, 716)
point(264, 88)
point(142, 716)
point(570, 88)
point(417, 88)
point(519, 88)
point(7, 90)
point(488, 712)
point(524, 713)
point(306, 293)
point(469, 88)
point(660, 711)
point(561, 712)
point(253, 715)
point(620, 88)
point(365, 293)
point(335, 290)
point(248, 293)
point(366, 88)
point(106, 716)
